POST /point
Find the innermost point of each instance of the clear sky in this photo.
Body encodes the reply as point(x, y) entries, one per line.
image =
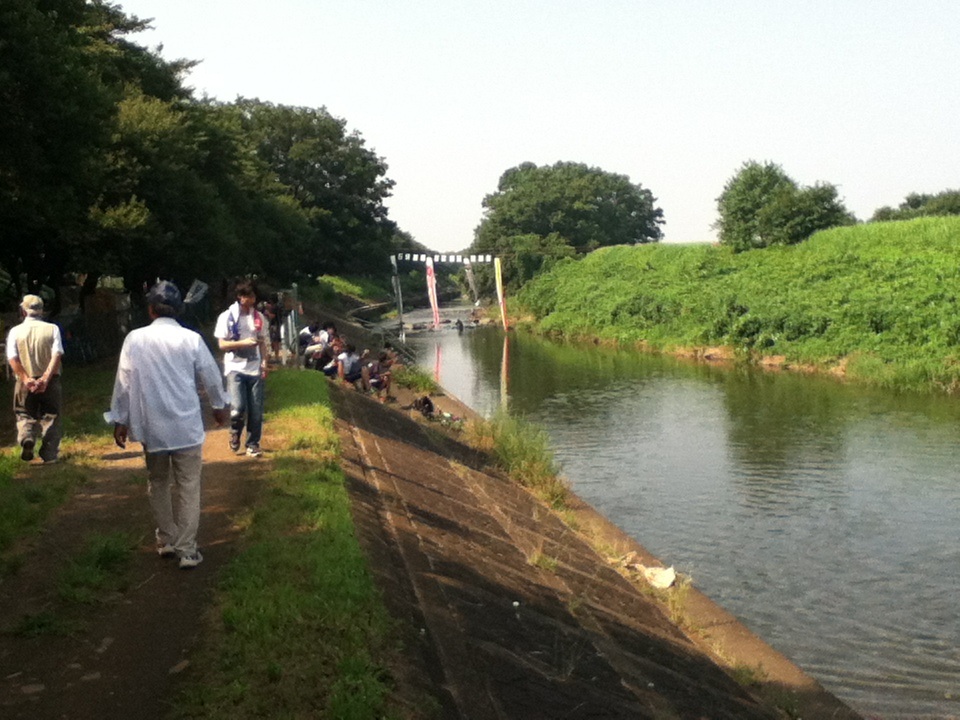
point(863, 94)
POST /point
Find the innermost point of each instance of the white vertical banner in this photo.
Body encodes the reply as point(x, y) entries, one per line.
point(471, 281)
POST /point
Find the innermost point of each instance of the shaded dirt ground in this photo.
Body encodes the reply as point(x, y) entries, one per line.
point(124, 655)
point(505, 612)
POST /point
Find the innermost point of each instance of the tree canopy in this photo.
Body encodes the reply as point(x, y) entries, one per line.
point(332, 176)
point(539, 214)
point(762, 206)
point(915, 205)
point(108, 165)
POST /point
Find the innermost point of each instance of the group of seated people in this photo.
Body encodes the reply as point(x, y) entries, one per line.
point(324, 349)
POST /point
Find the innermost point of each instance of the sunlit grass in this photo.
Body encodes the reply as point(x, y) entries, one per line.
point(414, 378)
point(87, 392)
point(331, 290)
point(301, 630)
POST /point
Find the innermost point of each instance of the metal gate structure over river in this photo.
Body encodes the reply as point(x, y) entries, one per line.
point(824, 515)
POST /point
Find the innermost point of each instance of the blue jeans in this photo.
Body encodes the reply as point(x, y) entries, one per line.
point(246, 403)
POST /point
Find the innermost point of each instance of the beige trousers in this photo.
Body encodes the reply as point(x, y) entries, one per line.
point(173, 485)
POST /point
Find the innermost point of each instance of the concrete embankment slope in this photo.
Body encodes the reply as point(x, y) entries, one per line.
point(508, 613)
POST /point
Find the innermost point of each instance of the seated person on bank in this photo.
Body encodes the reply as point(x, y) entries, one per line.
point(393, 360)
point(305, 337)
point(376, 376)
point(321, 349)
point(348, 365)
point(328, 359)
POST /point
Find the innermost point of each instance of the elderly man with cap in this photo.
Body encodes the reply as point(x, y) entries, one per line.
point(35, 351)
point(156, 403)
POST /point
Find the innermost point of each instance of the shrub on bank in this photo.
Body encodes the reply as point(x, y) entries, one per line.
point(523, 451)
point(881, 298)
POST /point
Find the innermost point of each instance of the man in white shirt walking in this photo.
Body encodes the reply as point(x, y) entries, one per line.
point(35, 351)
point(156, 403)
point(241, 332)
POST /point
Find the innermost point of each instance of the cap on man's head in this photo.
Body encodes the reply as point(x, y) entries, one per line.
point(32, 303)
point(165, 293)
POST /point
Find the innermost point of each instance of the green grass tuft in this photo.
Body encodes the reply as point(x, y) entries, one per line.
point(523, 451)
point(416, 379)
point(26, 502)
point(99, 568)
point(45, 624)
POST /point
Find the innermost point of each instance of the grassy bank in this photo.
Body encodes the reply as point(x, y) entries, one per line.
point(25, 503)
point(878, 300)
point(299, 630)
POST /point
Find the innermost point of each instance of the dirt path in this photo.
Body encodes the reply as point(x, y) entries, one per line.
point(128, 652)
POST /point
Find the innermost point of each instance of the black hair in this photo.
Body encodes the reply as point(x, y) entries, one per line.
point(164, 310)
point(245, 288)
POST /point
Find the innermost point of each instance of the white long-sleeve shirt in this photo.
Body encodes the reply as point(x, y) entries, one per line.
point(155, 392)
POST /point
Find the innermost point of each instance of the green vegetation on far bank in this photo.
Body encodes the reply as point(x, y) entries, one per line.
point(878, 299)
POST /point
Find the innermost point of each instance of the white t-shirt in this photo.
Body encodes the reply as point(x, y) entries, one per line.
point(351, 362)
point(246, 361)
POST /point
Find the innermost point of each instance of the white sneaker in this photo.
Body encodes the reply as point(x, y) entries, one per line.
point(166, 551)
point(254, 451)
point(191, 561)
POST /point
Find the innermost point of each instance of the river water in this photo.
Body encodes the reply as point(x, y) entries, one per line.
point(825, 516)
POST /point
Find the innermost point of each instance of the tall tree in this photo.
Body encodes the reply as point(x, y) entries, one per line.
point(540, 214)
point(55, 125)
point(762, 206)
point(586, 206)
point(339, 182)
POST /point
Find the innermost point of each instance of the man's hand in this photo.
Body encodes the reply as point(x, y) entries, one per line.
point(220, 416)
point(120, 435)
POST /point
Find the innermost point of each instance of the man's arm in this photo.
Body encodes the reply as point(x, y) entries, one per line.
point(21, 374)
point(264, 348)
point(53, 367)
point(231, 345)
point(119, 413)
point(209, 374)
point(221, 333)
